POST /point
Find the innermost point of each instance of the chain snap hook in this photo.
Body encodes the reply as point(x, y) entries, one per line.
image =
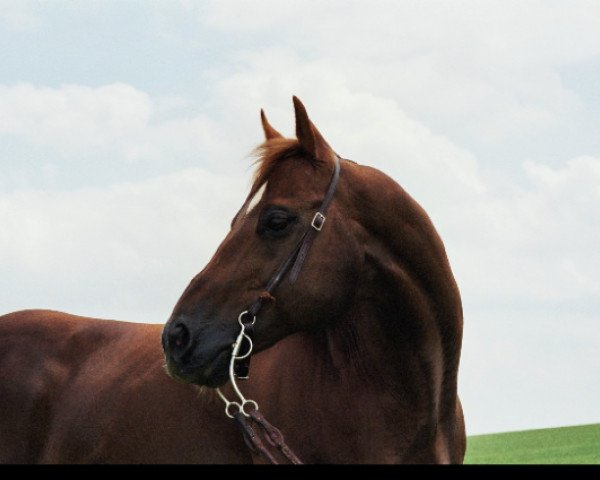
point(241, 319)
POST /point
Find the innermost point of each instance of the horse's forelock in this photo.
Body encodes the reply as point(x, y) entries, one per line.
point(269, 153)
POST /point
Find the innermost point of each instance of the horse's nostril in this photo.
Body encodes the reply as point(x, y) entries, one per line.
point(179, 338)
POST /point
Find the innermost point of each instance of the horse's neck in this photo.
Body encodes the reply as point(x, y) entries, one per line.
point(349, 393)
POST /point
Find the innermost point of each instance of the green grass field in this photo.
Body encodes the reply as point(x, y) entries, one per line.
point(579, 444)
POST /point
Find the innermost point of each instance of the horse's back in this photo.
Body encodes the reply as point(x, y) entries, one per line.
point(30, 374)
point(79, 390)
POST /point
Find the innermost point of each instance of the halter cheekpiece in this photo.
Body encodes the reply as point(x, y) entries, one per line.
point(244, 409)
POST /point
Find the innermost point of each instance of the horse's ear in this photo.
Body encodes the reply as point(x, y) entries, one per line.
point(270, 132)
point(308, 135)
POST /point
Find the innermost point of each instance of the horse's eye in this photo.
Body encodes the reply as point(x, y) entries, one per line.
point(275, 221)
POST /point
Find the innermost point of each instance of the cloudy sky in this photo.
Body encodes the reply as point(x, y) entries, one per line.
point(125, 129)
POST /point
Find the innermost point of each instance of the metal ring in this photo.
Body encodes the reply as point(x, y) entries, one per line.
point(247, 354)
point(241, 322)
point(246, 402)
point(236, 404)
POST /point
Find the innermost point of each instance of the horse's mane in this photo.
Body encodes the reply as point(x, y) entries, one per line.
point(269, 153)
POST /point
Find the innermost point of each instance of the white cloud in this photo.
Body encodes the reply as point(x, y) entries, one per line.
point(115, 122)
point(360, 125)
point(539, 243)
point(490, 67)
point(19, 15)
point(74, 116)
point(529, 368)
point(528, 264)
point(124, 251)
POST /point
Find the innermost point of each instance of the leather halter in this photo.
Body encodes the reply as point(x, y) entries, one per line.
point(240, 363)
point(293, 262)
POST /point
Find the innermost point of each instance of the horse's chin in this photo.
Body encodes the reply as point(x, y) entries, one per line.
point(213, 375)
point(218, 371)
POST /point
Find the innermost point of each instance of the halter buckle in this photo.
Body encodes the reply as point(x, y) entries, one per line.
point(318, 221)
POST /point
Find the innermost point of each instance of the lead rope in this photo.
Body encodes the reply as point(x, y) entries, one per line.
point(237, 409)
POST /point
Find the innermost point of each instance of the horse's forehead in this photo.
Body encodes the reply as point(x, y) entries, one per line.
point(256, 198)
point(294, 179)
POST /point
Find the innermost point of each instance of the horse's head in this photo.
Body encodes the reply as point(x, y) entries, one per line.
point(290, 185)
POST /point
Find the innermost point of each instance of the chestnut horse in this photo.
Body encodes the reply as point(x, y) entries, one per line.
point(355, 361)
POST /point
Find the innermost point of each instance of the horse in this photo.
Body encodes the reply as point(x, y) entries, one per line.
point(355, 351)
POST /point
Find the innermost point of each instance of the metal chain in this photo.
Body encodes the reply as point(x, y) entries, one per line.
point(243, 401)
point(237, 409)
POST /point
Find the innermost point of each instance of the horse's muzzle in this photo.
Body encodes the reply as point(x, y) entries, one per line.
point(197, 355)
